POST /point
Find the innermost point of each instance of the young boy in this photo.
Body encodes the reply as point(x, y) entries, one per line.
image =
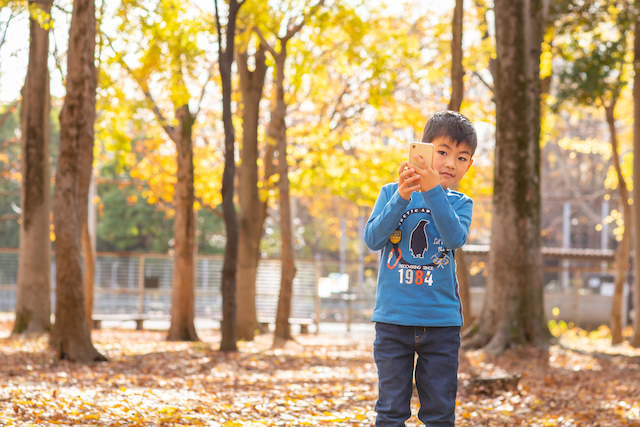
point(418, 223)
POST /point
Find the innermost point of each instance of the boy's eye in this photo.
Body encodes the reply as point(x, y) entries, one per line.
point(442, 153)
point(462, 159)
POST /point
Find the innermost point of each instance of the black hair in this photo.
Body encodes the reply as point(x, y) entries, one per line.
point(452, 125)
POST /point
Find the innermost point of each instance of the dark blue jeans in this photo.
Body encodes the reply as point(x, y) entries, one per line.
point(436, 373)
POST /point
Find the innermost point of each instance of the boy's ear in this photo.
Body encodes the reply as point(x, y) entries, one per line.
point(469, 166)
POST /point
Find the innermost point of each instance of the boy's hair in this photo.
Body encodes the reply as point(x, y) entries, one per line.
point(452, 125)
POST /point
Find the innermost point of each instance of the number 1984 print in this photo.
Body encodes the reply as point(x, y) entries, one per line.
point(415, 277)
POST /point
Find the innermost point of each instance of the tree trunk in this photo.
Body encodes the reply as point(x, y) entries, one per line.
point(85, 161)
point(462, 272)
point(70, 336)
point(33, 297)
point(278, 131)
point(624, 250)
point(457, 71)
point(513, 312)
point(635, 340)
point(457, 95)
point(230, 265)
point(89, 258)
point(251, 219)
point(182, 326)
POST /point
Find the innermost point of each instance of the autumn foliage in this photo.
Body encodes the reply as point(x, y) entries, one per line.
point(315, 380)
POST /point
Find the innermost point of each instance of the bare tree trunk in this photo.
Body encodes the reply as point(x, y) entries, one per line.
point(462, 272)
point(89, 258)
point(635, 340)
point(624, 250)
point(85, 161)
point(33, 298)
point(457, 95)
point(513, 306)
point(183, 294)
point(230, 265)
point(457, 71)
point(251, 220)
point(278, 131)
point(70, 336)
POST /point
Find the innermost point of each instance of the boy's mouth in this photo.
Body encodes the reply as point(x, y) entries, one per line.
point(446, 174)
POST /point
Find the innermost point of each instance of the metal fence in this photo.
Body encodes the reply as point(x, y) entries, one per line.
point(323, 290)
point(141, 284)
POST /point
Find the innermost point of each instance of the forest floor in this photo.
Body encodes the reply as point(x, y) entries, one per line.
point(326, 379)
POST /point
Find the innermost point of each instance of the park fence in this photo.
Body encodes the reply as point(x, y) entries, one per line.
point(323, 290)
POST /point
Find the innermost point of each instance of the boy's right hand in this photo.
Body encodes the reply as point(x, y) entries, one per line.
point(408, 180)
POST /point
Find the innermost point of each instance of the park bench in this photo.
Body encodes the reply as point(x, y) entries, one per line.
point(138, 318)
point(97, 319)
point(304, 323)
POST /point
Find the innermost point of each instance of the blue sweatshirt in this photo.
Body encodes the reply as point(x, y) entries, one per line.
point(417, 284)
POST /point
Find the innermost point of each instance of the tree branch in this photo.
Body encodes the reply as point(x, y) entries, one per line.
point(271, 50)
point(4, 36)
point(56, 57)
point(219, 26)
point(204, 88)
point(145, 90)
point(292, 31)
point(483, 81)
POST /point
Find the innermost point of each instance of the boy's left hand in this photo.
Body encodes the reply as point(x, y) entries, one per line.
point(429, 177)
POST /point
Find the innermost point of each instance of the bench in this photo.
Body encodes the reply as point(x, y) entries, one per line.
point(304, 323)
point(121, 317)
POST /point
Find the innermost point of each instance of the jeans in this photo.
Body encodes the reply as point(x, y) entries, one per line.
point(436, 373)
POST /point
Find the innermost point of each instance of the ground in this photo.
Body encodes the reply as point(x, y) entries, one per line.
point(325, 379)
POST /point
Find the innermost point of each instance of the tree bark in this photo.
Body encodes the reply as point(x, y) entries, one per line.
point(624, 250)
point(33, 297)
point(182, 326)
point(278, 131)
point(70, 336)
point(635, 339)
point(457, 71)
point(462, 272)
point(457, 95)
point(85, 161)
point(230, 264)
point(251, 221)
point(89, 258)
point(513, 306)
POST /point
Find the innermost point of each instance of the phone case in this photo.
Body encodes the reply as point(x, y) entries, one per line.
point(423, 149)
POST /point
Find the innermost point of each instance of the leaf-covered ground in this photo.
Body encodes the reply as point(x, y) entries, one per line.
point(317, 380)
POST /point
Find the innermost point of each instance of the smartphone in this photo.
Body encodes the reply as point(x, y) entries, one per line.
point(423, 149)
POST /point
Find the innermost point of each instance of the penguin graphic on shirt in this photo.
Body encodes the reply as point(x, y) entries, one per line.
point(418, 241)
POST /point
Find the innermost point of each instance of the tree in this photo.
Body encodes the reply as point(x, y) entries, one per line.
point(70, 337)
point(171, 56)
point(278, 131)
point(513, 309)
point(635, 340)
point(457, 71)
point(33, 297)
point(598, 76)
point(252, 209)
point(457, 95)
point(229, 268)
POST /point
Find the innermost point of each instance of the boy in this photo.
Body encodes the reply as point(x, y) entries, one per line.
point(418, 223)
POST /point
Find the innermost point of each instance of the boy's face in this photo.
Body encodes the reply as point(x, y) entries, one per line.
point(451, 161)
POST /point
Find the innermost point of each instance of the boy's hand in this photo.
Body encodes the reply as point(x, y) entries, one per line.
point(407, 182)
point(428, 177)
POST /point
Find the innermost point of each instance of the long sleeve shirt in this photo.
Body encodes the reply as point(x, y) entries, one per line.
point(417, 284)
